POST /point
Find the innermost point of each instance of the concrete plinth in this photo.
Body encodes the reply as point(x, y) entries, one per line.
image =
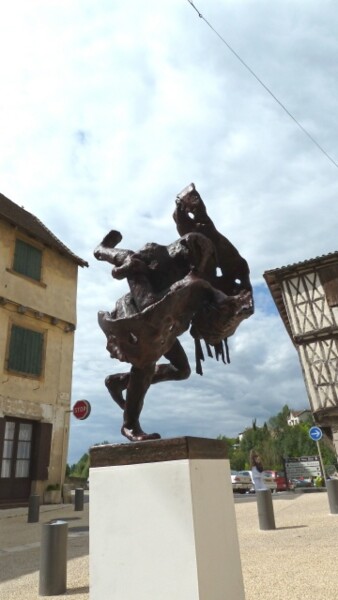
point(162, 522)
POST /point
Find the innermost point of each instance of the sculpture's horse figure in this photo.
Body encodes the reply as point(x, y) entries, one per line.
point(172, 288)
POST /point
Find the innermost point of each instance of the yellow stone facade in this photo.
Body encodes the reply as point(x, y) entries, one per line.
point(47, 306)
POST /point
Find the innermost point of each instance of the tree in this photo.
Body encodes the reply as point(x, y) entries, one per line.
point(81, 468)
point(279, 423)
point(275, 441)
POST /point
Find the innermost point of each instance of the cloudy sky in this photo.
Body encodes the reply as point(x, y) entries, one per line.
point(110, 108)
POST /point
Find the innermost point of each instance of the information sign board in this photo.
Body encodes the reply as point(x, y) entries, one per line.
point(303, 466)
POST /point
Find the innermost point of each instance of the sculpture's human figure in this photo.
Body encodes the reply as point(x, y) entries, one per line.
point(172, 288)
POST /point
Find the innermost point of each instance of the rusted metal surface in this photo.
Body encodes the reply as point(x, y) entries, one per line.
point(173, 289)
point(157, 451)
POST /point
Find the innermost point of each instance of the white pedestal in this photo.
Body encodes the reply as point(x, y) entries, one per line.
point(163, 530)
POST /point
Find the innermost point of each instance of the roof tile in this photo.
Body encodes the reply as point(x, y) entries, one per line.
point(29, 223)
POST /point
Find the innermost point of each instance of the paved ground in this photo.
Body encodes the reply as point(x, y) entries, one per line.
point(297, 560)
point(20, 552)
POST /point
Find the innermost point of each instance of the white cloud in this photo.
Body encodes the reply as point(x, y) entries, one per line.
point(109, 109)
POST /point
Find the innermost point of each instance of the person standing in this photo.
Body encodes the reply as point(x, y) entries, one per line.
point(257, 471)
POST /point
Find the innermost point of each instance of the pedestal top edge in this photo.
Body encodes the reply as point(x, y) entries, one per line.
point(157, 451)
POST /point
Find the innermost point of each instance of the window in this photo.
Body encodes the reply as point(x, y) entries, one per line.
point(27, 260)
point(23, 450)
point(16, 454)
point(25, 351)
point(7, 454)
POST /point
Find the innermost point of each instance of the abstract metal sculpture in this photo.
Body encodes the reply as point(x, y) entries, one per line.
point(200, 282)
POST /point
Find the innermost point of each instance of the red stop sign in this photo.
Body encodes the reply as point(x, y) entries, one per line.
point(81, 409)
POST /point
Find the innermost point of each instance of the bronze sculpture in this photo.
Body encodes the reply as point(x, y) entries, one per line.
point(172, 288)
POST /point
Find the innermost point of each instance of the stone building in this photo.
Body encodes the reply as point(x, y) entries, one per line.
point(306, 295)
point(298, 416)
point(38, 286)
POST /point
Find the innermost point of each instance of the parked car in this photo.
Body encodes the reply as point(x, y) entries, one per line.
point(268, 480)
point(279, 478)
point(301, 483)
point(240, 483)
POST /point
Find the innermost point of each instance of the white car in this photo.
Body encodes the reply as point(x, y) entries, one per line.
point(240, 483)
point(268, 480)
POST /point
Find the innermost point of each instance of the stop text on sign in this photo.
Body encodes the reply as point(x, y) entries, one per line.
point(81, 409)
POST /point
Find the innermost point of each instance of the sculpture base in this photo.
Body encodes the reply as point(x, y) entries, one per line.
point(162, 522)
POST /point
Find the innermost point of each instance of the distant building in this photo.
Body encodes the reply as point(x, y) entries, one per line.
point(298, 416)
point(38, 286)
point(306, 295)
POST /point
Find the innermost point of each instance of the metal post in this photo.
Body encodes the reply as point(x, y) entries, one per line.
point(332, 494)
point(53, 559)
point(266, 515)
point(79, 496)
point(322, 468)
point(33, 509)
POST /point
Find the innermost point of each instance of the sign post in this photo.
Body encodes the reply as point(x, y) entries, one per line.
point(316, 434)
point(81, 410)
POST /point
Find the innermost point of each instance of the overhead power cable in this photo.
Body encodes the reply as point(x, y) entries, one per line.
point(264, 86)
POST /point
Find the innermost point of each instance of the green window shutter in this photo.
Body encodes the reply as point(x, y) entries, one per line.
point(27, 260)
point(25, 351)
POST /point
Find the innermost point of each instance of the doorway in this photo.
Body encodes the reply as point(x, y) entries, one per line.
point(15, 467)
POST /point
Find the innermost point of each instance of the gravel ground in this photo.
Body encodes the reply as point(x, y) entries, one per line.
point(296, 560)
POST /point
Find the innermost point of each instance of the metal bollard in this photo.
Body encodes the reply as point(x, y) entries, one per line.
point(33, 509)
point(53, 559)
point(266, 515)
point(332, 494)
point(79, 497)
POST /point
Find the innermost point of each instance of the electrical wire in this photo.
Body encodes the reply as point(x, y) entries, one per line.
point(264, 86)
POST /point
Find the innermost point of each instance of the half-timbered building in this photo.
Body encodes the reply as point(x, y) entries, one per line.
point(306, 295)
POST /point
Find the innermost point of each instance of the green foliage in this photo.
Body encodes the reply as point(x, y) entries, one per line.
point(81, 468)
point(234, 454)
point(52, 487)
point(279, 423)
point(274, 441)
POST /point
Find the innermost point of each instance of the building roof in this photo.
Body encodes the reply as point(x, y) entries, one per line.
point(31, 225)
point(298, 413)
point(274, 278)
